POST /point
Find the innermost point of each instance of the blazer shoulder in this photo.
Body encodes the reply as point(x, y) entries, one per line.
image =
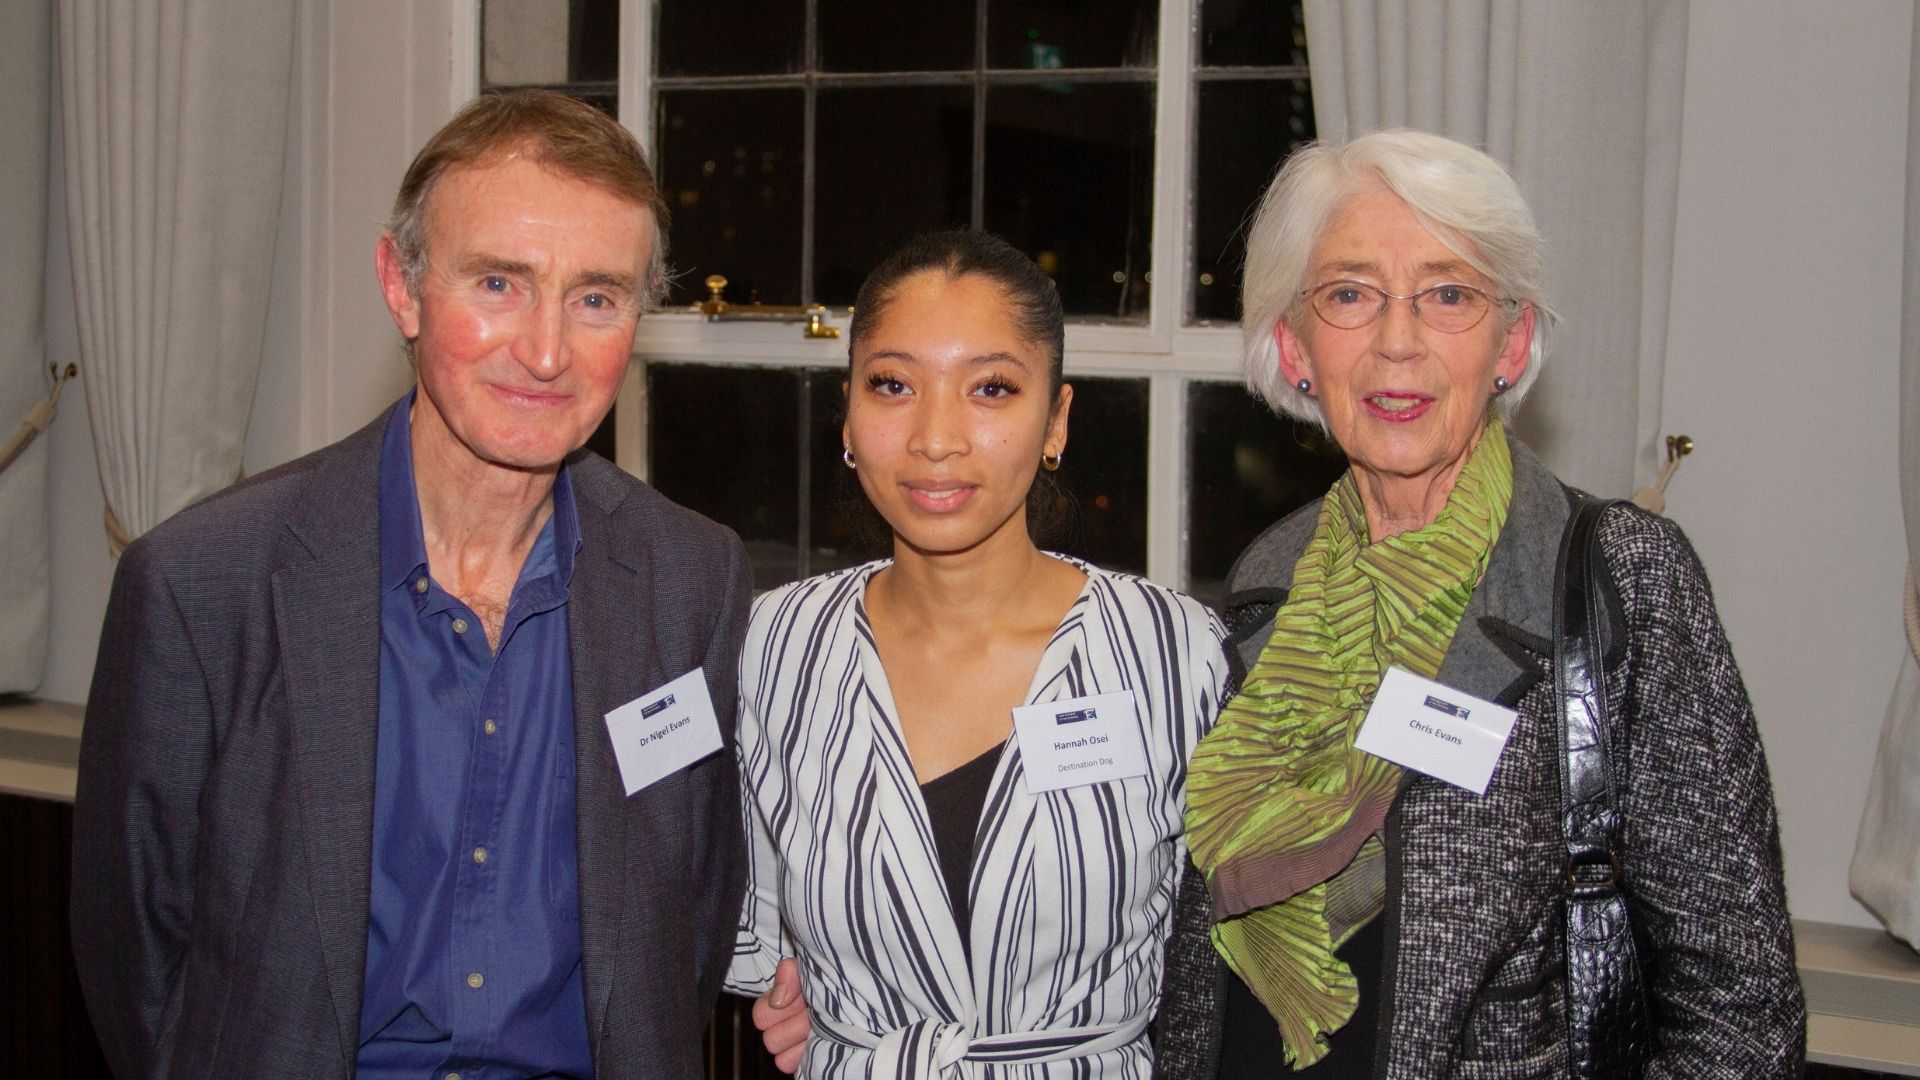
point(241, 523)
point(635, 503)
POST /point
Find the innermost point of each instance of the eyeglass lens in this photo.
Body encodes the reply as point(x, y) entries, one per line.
point(1450, 309)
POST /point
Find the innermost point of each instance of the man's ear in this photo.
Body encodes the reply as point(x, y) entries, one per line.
point(402, 304)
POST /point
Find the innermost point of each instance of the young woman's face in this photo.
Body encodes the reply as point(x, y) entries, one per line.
point(948, 413)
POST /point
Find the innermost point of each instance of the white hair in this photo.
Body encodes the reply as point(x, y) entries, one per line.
point(1469, 203)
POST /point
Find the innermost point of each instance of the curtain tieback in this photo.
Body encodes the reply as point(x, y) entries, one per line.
point(39, 418)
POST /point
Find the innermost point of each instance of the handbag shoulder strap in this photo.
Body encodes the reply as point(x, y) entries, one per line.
point(1580, 690)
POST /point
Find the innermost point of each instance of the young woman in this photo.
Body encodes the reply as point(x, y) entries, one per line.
point(965, 766)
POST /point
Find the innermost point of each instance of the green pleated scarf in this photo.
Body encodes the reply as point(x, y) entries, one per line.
point(1282, 812)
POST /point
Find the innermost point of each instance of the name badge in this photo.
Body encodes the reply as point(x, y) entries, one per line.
point(1435, 729)
point(664, 731)
point(1084, 740)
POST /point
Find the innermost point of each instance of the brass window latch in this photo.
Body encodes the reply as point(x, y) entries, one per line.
point(717, 308)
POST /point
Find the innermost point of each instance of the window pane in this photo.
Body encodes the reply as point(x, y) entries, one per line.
point(725, 441)
point(1069, 180)
point(730, 169)
point(843, 529)
point(1247, 469)
point(873, 193)
point(1252, 32)
point(1103, 475)
point(731, 37)
point(549, 42)
point(1071, 33)
point(927, 35)
point(1245, 130)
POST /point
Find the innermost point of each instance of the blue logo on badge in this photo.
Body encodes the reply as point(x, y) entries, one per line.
point(1448, 707)
point(1075, 716)
point(657, 707)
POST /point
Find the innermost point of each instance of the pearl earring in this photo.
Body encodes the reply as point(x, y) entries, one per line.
point(1303, 385)
point(1501, 385)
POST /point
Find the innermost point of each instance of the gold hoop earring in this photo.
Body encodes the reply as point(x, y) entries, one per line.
point(846, 455)
point(1050, 462)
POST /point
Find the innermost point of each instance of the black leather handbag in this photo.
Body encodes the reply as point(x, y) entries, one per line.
point(1610, 1023)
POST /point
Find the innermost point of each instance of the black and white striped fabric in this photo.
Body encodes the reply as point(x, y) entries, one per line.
point(1071, 889)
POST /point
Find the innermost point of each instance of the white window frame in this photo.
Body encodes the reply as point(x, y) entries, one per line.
point(1165, 350)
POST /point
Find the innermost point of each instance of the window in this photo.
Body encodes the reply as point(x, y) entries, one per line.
point(1122, 144)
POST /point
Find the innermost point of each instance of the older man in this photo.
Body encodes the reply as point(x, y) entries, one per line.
point(351, 801)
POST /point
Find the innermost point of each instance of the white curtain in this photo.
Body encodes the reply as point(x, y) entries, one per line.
point(1886, 856)
point(26, 54)
point(175, 121)
point(1581, 102)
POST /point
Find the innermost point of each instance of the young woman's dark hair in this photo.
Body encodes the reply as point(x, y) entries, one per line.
point(1030, 292)
point(1035, 304)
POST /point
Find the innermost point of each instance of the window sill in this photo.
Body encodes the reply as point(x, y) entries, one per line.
point(39, 748)
point(1863, 998)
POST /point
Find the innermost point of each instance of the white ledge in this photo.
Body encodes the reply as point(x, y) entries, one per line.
point(1863, 998)
point(39, 748)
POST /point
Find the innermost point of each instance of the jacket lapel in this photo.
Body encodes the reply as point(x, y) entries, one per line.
point(327, 616)
point(1508, 624)
point(615, 658)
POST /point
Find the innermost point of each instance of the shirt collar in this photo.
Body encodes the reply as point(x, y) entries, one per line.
point(403, 545)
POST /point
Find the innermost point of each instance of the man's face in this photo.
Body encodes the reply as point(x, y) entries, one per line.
point(525, 317)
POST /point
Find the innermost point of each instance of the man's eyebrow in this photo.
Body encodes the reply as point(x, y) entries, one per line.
point(606, 279)
point(491, 264)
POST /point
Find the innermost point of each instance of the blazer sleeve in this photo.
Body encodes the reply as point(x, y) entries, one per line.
point(721, 855)
point(1701, 836)
point(145, 752)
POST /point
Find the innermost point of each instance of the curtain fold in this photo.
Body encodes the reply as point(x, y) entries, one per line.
point(1885, 875)
point(175, 120)
point(1582, 103)
point(26, 54)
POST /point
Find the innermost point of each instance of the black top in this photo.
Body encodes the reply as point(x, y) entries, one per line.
point(1252, 1048)
point(954, 802)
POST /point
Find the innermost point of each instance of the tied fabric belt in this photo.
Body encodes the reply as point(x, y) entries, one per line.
point(935, 1050)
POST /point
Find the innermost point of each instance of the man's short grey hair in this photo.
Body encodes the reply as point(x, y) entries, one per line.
point(1465, 198)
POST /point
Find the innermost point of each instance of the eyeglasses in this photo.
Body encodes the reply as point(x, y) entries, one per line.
point(1451, 308)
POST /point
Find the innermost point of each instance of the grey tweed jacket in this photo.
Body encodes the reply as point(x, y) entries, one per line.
point(224, 824)
point(1473, 972)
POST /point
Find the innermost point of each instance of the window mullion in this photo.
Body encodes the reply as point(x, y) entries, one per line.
point(1166, 480)
point(1172, 169)
point(635, 68)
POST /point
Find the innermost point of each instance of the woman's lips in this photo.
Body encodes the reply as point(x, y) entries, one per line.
point(938, 496)
point(1395, 407)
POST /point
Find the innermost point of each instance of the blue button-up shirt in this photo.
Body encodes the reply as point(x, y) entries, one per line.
point(473, 936)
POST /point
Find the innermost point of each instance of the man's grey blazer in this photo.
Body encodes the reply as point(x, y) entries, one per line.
point(223, 829)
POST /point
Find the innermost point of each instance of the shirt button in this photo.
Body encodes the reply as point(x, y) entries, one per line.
point(490, 726)
point(476, 980)
point(420, 585)
point(479, 854)
point(459, 626)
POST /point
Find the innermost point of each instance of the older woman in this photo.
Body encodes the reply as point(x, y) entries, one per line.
point(1369, 919)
